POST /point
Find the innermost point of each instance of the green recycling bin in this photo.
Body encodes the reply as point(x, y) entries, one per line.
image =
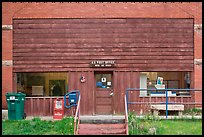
point(15, 103)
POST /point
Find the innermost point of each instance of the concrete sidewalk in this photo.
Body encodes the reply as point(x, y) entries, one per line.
point(50, 118)
point(5, 116)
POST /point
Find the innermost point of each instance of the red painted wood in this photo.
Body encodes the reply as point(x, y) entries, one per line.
point(105, 45)
point(42, 106)
point(101, 129)
point(123, 80)
point(92, 39)
point(99, 35)
point(65, 21)
point(86, 90)
point(102, 95)
point(107, 54)
point(99, 126)
point(146, 101)
point(82, 69)
point(100, 25)
point(103, 49)
point(102, 20)
point(103, 109)
point(144, 66)
point(132, 80)
point(103, 101)
point(101, 132)
point(161, 58)
point(105, 30)
point(44, 45)
point(102, 40)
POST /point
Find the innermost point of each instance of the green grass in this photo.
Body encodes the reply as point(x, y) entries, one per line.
point(151, 125)
point(37, 126)
point(193, 111)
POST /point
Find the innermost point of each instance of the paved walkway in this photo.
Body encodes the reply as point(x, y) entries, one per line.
point(176, 117)
point(98, 117)
point(41, 117)
point(5, 116)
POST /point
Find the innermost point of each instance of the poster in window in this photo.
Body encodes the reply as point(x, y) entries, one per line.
point(37, 90)
point(103, 79)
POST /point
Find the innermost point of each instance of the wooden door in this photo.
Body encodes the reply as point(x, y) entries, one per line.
point(103, 92)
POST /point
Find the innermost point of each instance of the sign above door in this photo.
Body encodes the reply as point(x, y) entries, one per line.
point(106, 63)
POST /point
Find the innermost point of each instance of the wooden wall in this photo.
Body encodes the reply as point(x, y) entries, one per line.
point(86, 89)
point(141, 44)
point(43, 106)
point(135, 44)
point(121, 80)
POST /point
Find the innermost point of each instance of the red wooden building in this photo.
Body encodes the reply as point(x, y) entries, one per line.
point(48, 47)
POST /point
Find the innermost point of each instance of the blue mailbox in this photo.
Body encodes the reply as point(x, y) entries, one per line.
point(73, 97)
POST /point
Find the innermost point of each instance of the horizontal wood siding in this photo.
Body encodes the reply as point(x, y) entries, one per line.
point(41, 45)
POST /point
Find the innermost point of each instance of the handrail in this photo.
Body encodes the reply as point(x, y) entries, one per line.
point(126, 116)
point(77, 117)
point(166, 95)
point(187, 89)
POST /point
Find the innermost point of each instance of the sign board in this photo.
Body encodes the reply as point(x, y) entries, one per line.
point(12, 97)
point(37, 90)
point(160, 81)
point(108, 83)
point(103, 79)
point(160, 84)
point(58, 104)
point(97, 63)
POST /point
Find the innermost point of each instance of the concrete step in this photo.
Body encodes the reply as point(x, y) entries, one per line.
point(102, 119)
point(101, 126)
point(4, 114)
point(101, 129)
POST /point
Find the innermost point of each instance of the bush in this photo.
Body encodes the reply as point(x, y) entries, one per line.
point(144, 126)
point(151, 125)
point(193, 111)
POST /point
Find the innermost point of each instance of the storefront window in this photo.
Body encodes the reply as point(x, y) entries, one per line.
point(42, 84)
point(170, 80)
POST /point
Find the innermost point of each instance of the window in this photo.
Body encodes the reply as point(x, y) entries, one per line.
point(42, 84)
point(171, 80)
point(103, 80)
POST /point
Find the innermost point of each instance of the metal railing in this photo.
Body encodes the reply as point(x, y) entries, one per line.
point(126, 116)
point(166, 96)
point(77, 117)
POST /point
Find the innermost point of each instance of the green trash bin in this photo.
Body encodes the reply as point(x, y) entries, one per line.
point(15, 103)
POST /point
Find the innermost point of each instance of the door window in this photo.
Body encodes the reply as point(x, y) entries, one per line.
point(103, 80)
